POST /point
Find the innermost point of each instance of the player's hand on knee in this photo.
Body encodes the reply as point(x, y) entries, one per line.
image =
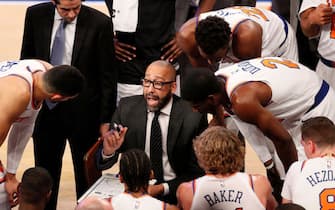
point(11, 186)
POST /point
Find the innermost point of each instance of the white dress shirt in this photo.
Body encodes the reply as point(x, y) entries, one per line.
point(163, 119)
point(70, 30)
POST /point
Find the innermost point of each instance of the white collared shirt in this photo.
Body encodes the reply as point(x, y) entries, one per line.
point(70, 30)
point(163, 119)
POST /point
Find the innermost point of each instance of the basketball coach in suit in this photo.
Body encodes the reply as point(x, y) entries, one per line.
point(89, 47)
point(178, 124)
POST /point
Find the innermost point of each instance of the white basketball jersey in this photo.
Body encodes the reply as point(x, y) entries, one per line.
point(311, 183)
point(23, 126)
point(326, 46)
point(233, 192)
point(294, 91)
point(23, 69)
point(275, 29)
point(127, 201)
point(293, 85)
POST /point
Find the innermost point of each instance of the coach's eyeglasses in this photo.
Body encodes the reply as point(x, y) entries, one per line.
point(156, 84)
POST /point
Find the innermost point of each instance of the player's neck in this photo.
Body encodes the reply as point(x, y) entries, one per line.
point(219, 175)
point(327, 152)
point(27, 206)
point(137, 194)
point(38, 92)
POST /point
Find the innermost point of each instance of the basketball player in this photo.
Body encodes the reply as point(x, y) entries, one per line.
point(236, 33)
point(317, 20)
point(267, 97)
point(135, 172)
point(310, 183)
point(23, 86)
point(221, 154)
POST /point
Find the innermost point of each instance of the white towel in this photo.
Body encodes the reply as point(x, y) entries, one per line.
point(126, 15)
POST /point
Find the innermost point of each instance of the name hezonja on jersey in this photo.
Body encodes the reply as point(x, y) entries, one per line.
point(320, 177)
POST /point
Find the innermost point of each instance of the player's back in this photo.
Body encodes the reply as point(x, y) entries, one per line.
point(311, 183)
point(145, 202)
point(232, 192)
point(293, 86)
point(274, 28)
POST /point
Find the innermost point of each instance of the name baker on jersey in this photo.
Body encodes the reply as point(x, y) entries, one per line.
point(321, 176)
point(224, 196)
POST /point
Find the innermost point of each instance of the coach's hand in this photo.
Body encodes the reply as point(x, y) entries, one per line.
point(113, 140)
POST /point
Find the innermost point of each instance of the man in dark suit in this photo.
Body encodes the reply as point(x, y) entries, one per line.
point(178, 124)
point(89, 47)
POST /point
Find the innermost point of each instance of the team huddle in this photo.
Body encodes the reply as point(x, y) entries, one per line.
point(78, 81)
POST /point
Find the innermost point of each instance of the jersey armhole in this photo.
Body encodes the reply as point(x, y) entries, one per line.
point(251, 182)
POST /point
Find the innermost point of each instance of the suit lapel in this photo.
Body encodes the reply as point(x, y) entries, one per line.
point(175, 123)
point(81, 28)
point(141, 119)
point(46, 31)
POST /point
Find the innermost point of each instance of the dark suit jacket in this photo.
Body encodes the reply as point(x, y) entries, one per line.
point(93, 54)
point(184, 125)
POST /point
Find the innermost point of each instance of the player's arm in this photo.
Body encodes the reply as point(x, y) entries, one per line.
point(171, 207)
point(13, 101)
point(247, 40)
point(186, 41)
point(185, 195)
point(205, 6)
point(263, 190)
point(248, 102)
point(313, 18)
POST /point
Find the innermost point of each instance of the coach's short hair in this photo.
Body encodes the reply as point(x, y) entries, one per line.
point(219, 151)
point(58, 1)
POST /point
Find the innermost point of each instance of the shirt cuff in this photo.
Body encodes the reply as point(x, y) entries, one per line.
point(166, 188)
point(104, 157)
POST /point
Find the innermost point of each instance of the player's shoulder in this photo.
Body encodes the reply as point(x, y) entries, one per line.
point(15, 88)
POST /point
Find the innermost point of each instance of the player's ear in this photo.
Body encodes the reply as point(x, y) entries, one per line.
point(121, 178)
point(152, 175)
point(48, 195)
point(312, 147)
point(214, 99)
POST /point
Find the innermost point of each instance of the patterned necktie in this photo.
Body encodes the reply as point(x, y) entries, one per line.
point(156, 152)
point(57, 53)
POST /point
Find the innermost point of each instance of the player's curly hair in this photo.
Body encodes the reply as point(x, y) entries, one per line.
point(219, 151)
point(212, 34)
